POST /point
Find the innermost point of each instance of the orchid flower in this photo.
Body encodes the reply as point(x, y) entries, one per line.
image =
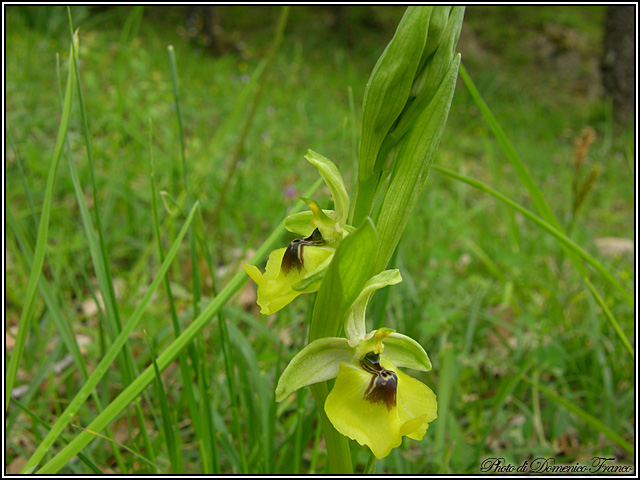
point(372, 401)
point(300, 267)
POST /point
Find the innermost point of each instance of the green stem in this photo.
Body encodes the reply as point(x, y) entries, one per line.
point(337, 444)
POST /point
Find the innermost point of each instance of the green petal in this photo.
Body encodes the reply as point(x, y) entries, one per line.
point(317, 362)
point(354, 325)
point(405, 352)
point(333, 179)
point(301, 223)
point(329, 227)
point(367, 423)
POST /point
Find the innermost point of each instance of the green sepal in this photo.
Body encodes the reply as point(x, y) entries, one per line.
point(301, 223)
point(354, 325)
point(334, 181)
point(405, 352)
point(317, 362)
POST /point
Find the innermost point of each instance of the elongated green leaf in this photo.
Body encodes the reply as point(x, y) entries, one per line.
point(390, 83)
point(175, 457)
point(536, 195)
point(385, 97)
point(41, 242)
point(534, 191)
point(350, 268)
point(101, 258)
point(412, 167)
point(255, 382)
point(185, 370)
point(102, 367)
point(437, 26)
point(432, 74)
point(46, 290)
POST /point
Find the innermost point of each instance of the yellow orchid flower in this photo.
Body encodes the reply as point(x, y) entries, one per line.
point(300, 267)
point(376, 404)
point(372, 401)
point(286, 268)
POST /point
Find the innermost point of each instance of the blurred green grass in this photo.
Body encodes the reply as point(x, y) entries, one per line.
point(478, 281)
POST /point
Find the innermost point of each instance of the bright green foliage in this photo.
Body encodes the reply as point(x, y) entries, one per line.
point(403, 94)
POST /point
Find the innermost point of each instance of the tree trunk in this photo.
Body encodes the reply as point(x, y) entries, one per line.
point(618, 59)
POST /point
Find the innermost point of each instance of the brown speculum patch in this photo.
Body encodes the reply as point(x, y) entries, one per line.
point(384, 383)
point(293, 256)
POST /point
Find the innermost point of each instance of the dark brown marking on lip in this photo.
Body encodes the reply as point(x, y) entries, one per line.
point(383, 386)
point(293, 256)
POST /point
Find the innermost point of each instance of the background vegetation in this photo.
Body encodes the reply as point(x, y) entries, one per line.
point(489, 295)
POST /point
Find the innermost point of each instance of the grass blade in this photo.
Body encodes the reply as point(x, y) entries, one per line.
point(586, 417)
point(569, 244)
point(83, 458)
point(185, 372)
point(175, 456)
point(41, 242)
point(64, 330)
point(168, 356)
point(211, 462)
point(541, 204)
point(536, 195)
point(101, 257)
point(102, 367)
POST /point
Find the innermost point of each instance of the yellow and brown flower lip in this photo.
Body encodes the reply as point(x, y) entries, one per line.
point(398, 405)
point(372, 400)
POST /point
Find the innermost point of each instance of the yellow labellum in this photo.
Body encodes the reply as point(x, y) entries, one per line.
point(275, 285)
point(380, 420)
